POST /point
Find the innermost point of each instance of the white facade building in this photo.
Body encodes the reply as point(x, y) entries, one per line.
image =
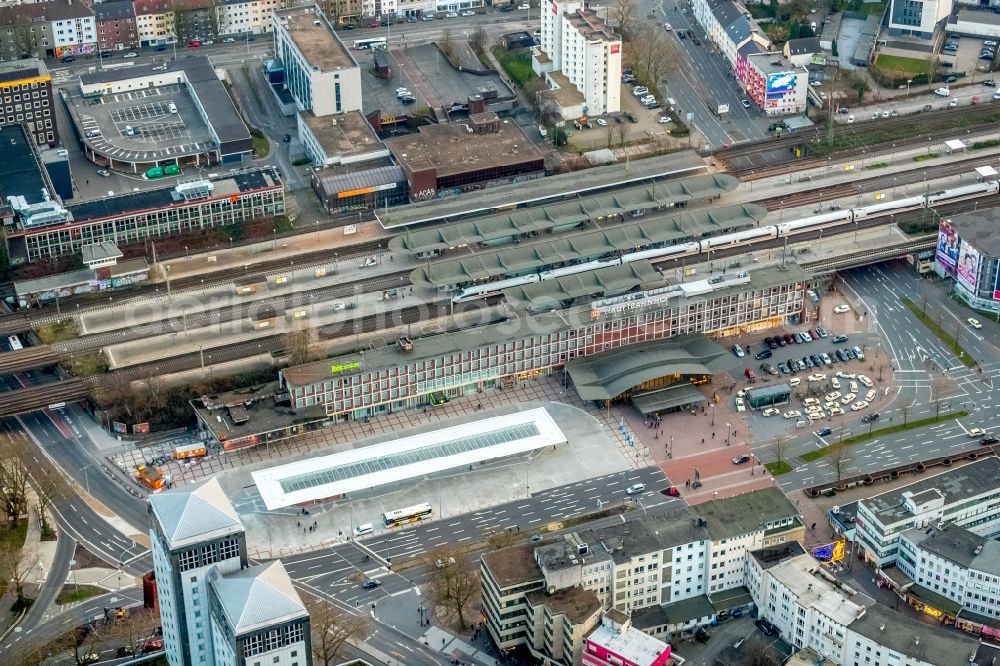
point(320, 72)
point(917, 18)
point(578, 45)
point(966, 497)
point(795, 593)
point(193, 532)
point(74, 31)
point(213, 609)
point(237, 17)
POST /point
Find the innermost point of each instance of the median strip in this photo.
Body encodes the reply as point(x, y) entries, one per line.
point(849, 441)
point(949, 340)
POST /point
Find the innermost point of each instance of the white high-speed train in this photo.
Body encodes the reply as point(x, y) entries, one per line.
point(821, 221)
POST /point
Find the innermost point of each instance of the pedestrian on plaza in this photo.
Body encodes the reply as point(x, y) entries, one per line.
point(702, 440)
point(813, 526)
point(713, 435)
point(298, 523)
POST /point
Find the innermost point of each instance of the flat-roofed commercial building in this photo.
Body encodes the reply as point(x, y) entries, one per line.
point(968, 251)
point(320, 72)
point(446, 365)
point(131, 218)
point(452, 158)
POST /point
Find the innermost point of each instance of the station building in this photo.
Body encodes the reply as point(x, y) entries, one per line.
point(437, 367)
point(968, 250)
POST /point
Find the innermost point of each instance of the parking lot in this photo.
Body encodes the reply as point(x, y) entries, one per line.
point(427, 74)
point(139, 127)
point(966, 59)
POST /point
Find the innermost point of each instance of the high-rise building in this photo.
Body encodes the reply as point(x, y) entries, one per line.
point(194, 531)
point(580, 58)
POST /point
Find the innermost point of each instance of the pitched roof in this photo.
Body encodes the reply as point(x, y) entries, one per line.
point(803, 46)
point(192, 513)
point(117, 10)
point(257, 596)
point(39, 12)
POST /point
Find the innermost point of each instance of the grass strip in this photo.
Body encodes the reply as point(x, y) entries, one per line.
point(778, 467)
point(863, 437)
point(949, 340)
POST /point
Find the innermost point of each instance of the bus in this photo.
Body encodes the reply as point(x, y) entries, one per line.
point(406, 516)
point(15, 343)
point(375, 43)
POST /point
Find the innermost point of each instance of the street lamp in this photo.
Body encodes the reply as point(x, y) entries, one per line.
point(908, 82)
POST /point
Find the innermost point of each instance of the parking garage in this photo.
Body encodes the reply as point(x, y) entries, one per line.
point(133, 118)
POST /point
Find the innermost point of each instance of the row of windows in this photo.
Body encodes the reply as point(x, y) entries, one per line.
point(202, 556)
point(273, 639)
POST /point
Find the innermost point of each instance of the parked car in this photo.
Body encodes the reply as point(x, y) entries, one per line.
point(841, 309)
point(943, 92)
point(742, 458)
point(989, 439)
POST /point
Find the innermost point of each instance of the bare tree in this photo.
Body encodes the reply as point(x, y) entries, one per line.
point(622, 132)
point(651, 53)
point(778, 447)
point(134, 629)
point(454, 581)
point(906, 411)
point(501, 539)
point(25, 39)
point(14, 454)
point(624, 11)
point(298, 345)
point(14, 570)
point(840, 459)
point(479, 40)
point(331, 628)
point(447, 44)
point(755, 653)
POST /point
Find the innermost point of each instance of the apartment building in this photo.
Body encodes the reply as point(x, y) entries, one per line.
point(238, 17)
point(954, 574)
point(26, 99)
point(654, 568)
point(813, 611)
point(320, 72)
point(154, 22)
point(47, 30)
point(769, 79)
point(965, 497)
point(580, 58)
point(116, 29)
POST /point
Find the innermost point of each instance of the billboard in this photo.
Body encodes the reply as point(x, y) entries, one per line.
point(968, 266)
point(947, 247)
point(781, 83)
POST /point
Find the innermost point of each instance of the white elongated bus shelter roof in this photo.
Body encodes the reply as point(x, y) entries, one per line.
point(313, 479)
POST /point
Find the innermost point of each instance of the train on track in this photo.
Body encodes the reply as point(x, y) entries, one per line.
point(834, 218)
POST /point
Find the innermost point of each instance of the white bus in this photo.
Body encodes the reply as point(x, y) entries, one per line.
point(405, 516)
point(15, 343)
point(376, 43)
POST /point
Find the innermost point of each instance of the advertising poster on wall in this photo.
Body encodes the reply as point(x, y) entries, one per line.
point(968, 267)
point(947, 247)
point(996, 284)
point(780, 83)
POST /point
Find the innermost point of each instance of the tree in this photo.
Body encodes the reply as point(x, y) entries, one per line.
point(447, 45)
point(778, 447)
point(331, 628)
point(651, 54)
point(756, 653)
point(15, 571)
point(134, 629)
point(905, 408)
point(501, 539)
point(623, 14)
point(479, 40)
point(860, 86)
point(14, 455)
point(840, 459)
point(298, 345)
point(939, 384)
point(25, 39)
point(454, 581)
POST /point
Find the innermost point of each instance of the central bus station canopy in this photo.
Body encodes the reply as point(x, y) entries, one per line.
point(539, 191)
point(314, 479)
point(660, 231)
point(506, 227)
point(609, 281)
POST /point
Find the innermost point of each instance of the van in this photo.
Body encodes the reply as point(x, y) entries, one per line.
point(172, 107)
point(861, 354)
point(801, 424)
point(794, 381)
point(364, 529)
point(635, 488)
point(738, 350)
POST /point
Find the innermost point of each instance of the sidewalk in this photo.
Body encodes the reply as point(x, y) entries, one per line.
point(36, 555)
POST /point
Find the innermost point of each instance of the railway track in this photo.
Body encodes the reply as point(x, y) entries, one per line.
point(749, 162)
point(874, 183)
